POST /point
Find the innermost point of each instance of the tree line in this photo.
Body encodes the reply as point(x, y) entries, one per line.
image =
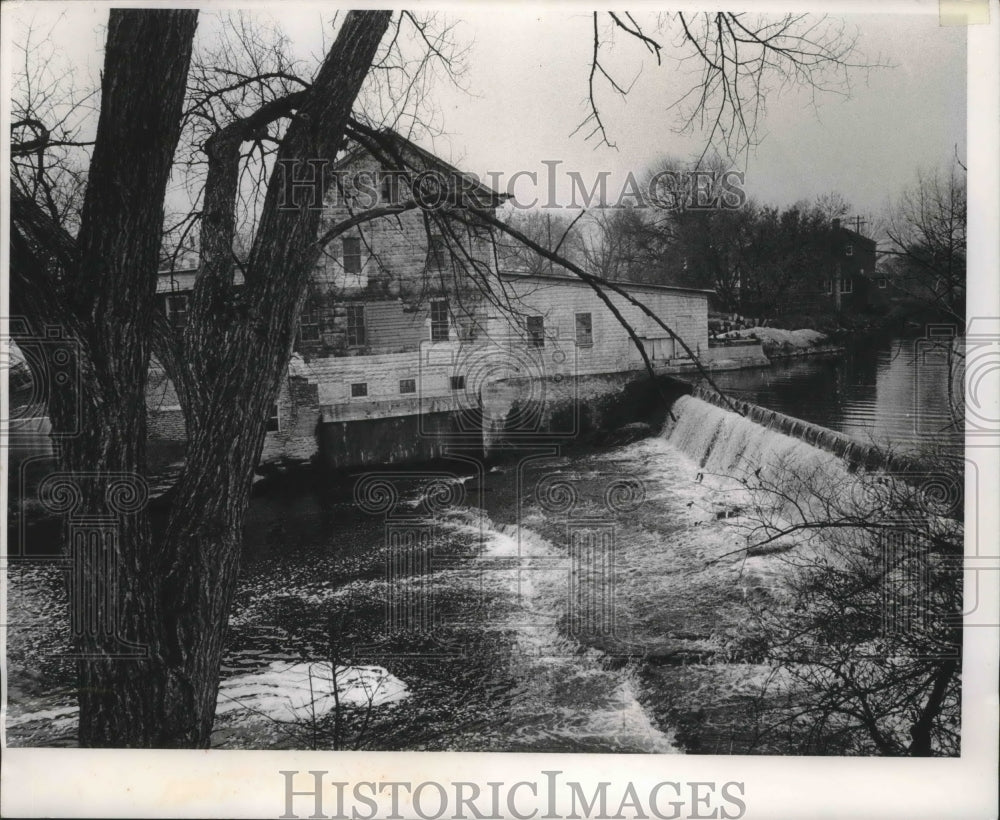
point(762, 254)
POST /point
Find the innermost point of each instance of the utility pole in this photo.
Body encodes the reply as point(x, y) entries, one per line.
point(548, 225)
point(858, 222)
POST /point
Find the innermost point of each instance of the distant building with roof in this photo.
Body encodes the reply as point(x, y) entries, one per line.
point(406, 334)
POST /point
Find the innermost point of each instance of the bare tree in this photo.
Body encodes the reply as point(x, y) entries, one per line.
point(739, 60)
point(832, 205)
point(52, 118)
point(614, 244)
point(99, 286)
point(247, 113)
point(927, 243)
point(554, 231)
point(862, 628)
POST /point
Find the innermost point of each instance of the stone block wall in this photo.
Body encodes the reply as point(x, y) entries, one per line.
point(297, 406)
point(398, 276)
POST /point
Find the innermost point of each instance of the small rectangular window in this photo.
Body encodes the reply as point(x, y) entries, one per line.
point(352, 254)
point(535, 328)
point(390, 188)
point(828, 286)
point(273, 421)
point(177, 310)
point(882, 283)
point(439, 320)
point(356, 331)
point(849, 250)
point(584, 330)
point(407, 385)
point(468, 329)
point(359, 389)
point(308, 323)
point(458, 382)
point(437, 252)
point(847, 285)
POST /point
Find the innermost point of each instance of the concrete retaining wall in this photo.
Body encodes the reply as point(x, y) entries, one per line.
point(397, 440)
point(518, 412)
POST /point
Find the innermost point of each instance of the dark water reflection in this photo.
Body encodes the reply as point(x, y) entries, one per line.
point(900, 392)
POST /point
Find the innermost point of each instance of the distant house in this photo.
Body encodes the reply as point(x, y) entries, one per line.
point(851, 282)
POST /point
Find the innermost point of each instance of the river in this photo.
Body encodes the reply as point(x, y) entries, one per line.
point(568, 602)
point(894, 392)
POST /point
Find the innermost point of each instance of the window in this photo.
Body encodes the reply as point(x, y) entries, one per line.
point(849, 250)
point(882, 283)
point(535, 327)
point(390, 187)
point(359, 389)
point(468, 329)
point(356, 335)
point(407, 385)
point(273, 422)
point(828, 286)
point(847, 285)
point(584, 330)
point(458, 382)
point(308, 323)
point(177, 309)
point(439, 320)
point(352, 254)
point(437, 252)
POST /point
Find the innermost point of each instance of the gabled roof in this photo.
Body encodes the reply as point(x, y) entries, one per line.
point(404, 154)
point(854, 236)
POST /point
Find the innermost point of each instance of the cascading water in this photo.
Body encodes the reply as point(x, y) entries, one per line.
point(505, 667)
point(730, 446)
point(569, 700)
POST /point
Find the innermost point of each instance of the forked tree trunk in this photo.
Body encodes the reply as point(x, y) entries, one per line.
point(149, 670)
point(104, 302)
point(239, 358)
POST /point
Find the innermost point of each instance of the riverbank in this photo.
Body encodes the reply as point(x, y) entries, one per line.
point(777, 343)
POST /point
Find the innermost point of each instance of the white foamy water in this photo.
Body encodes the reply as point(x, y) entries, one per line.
point(300, 691)
point(728, 446)
point(507, 595)
point(568, 698)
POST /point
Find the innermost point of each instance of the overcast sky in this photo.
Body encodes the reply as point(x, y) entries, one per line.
point(526, 85)
point(529, 73)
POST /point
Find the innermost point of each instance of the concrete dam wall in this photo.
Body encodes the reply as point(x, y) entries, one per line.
point(853, 452)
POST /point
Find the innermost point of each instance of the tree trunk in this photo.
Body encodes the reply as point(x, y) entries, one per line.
point(149, 612)
point(108, 303)
point(235, 364)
